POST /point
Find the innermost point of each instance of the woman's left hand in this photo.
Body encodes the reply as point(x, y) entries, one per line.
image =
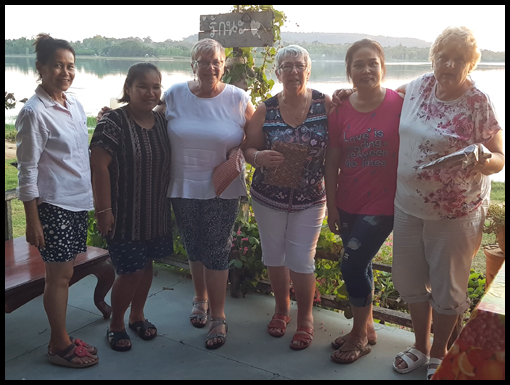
point(232, 151)
point(269, 158)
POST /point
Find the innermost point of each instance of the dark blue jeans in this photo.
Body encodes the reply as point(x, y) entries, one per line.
point(362, 236)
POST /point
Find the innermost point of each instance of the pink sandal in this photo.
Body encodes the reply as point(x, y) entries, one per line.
point(77, 351)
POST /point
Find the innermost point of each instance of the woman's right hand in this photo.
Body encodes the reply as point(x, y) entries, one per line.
point(340, 94)
point(334, 220)
point(100, 114)
point(269, 158)
point(105, 222)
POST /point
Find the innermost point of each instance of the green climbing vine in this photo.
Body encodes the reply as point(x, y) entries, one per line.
point(244, 68)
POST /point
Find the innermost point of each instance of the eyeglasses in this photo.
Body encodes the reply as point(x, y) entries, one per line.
point(206, 64)
point(298, 67)
point(456, 61)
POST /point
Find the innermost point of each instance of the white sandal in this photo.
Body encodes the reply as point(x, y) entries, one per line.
point(431, 371)
point(411, 365)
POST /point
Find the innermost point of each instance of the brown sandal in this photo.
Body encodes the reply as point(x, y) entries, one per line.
point(360, 349)
point(303, 334)
point(279, 321)
point(338, 342)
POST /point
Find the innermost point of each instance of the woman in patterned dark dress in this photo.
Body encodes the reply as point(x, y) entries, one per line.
point(130, 161)
point(290, 218)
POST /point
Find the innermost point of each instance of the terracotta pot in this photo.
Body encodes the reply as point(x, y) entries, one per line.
point(494, 258)
point(500, 236)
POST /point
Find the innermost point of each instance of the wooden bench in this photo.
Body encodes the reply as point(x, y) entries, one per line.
point(24, 274)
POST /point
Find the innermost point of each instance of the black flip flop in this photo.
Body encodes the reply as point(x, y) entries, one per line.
point(114, 337)
point(140, 327)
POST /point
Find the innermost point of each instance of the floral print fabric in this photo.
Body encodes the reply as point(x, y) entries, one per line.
point(431, 128)
point(313, 133)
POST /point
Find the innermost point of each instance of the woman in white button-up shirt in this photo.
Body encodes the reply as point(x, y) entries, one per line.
point(55, 188)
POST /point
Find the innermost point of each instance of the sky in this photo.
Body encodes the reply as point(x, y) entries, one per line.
point(162, 22)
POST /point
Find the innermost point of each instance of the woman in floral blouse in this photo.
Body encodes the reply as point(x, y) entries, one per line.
point(439, 214)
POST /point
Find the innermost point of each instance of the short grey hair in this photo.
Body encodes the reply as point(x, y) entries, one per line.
point(293, 50)
point(207, 46)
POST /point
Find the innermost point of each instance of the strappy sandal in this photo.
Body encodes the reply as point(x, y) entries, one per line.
point(79, 351)
point(215, 322)
point(337, 343)
point(141, 327)
point(303, 334)
point(360, 350)
point(197, 319)
point(279, 321)
point(114, 337)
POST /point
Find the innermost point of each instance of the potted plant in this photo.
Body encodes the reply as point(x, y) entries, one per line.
point(494, 224)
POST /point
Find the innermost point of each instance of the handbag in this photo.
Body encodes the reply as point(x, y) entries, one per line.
point(225, 173)
point(290, 171)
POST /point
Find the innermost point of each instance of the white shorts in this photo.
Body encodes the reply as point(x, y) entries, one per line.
point(432, 259)
point(289, 239)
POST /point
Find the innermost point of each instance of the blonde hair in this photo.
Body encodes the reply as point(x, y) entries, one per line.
point(460, 37)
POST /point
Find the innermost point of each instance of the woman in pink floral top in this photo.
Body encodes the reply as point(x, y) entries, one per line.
point(439, 214)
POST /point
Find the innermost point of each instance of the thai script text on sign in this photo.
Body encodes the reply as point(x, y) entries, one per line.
point(250, 29)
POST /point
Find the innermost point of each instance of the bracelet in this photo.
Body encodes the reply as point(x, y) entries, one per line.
point(102, 211)
point(255, 159)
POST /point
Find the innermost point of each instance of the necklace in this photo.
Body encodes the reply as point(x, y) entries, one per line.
point(299, 117)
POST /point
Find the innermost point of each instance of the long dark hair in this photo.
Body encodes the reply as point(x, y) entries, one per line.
point(46, 48)
point(134, 72)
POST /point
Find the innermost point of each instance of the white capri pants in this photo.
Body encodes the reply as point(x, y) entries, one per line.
point(432, 258)
point(289, 239)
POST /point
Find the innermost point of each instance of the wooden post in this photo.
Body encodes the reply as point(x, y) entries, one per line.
point(9, 195)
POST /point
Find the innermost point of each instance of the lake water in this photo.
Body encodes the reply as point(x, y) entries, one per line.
point(99, 79)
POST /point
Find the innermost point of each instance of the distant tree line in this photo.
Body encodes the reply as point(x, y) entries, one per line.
point(136, 47)
point(398, 53)
point(104, 46)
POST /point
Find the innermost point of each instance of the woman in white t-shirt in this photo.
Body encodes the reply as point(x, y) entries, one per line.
point(439, 214)
point(206, 120)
